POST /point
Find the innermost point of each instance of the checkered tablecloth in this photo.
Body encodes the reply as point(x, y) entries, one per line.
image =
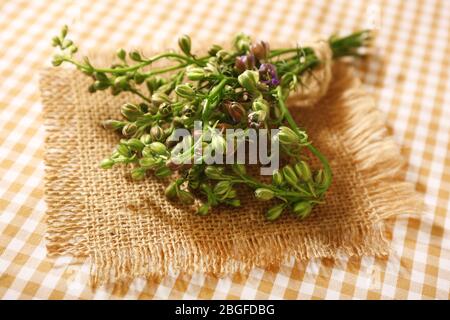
point(409, 77)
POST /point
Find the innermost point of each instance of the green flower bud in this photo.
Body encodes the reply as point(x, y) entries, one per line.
point(56, 41)
point(123, 150)
point(274, 212)
point(233, 202)
point(223, 55)
point(290, 176)
point(158, 148)
point(156, 133)
point(214, 49)
point(138, 173)
point(302, 209)
point(264, 194)
point(185, 197)
point(57, 60)
point(184, 42)
point(64, 31)
point(185, 91)
point(131, 111)
point(242, 42)
point(107, 163)
point(222, 187)
point(154, 83)
point(204, 209)
point(195, 73)
point(319, 177)
point(215, 173)
point(139, 78)
point(303, 171)
point(135, 56)
point(163, 172)
point(100, 85)
point(135, 144)
point(159, 98)
point(277, 178)
point(121, 82)
point(121, 54)
point(129, 129)
point(231, 194)
point(171, 191)
point(249, 80)
point(113, 124)
point(147, 162)
point(146, 138)
point(287, 136)
point(261, 104)
point(147, 152)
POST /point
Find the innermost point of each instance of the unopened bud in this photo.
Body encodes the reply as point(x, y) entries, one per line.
point(261, 104)
point(123, 150)
point(274, 212)
point(130, 111)
point(107, 163)
point(185, 197)
point(277, 178)
point(163, 172)
point(235, 110)
point(195, 73)
point(184, 42)
point(146, 138)
point(303, 171)
point(129, 129)
point(113, 124)
point(159, 98)
point(302, 209)
point(261, 50)
point(156, 133)
point(289, 175)
point(222, 187)
point(264, 194)
point(287, 136)
point(185, 91)
point(135, 144)
point(158, 148)
point(172, 190)
point(249, 80)
point(203, 210)
point(138, 173)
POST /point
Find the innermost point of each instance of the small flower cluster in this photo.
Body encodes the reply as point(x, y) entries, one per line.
point(240, 88)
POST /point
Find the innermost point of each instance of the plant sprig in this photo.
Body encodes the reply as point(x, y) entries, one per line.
point(239, 88)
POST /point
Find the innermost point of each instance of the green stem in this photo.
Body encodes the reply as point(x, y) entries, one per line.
point(287, 115)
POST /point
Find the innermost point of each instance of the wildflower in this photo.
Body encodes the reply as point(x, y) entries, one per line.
point(268, 74)
point(243, 63)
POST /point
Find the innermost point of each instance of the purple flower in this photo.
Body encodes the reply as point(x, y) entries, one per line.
point(246, 62)
point(268, 74)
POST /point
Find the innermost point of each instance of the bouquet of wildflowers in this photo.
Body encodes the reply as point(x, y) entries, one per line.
point(193, 118)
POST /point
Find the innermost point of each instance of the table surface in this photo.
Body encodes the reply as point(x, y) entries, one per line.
point(408, 76)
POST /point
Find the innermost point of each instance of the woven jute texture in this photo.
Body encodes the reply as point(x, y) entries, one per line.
point(128, 228)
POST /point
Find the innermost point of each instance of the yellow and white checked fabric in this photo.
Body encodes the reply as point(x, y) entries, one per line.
point(409, 77)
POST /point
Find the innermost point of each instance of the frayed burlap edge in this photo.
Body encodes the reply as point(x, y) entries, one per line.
point(67, 231)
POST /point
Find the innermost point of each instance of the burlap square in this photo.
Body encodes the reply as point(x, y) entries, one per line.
point(129, 229)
